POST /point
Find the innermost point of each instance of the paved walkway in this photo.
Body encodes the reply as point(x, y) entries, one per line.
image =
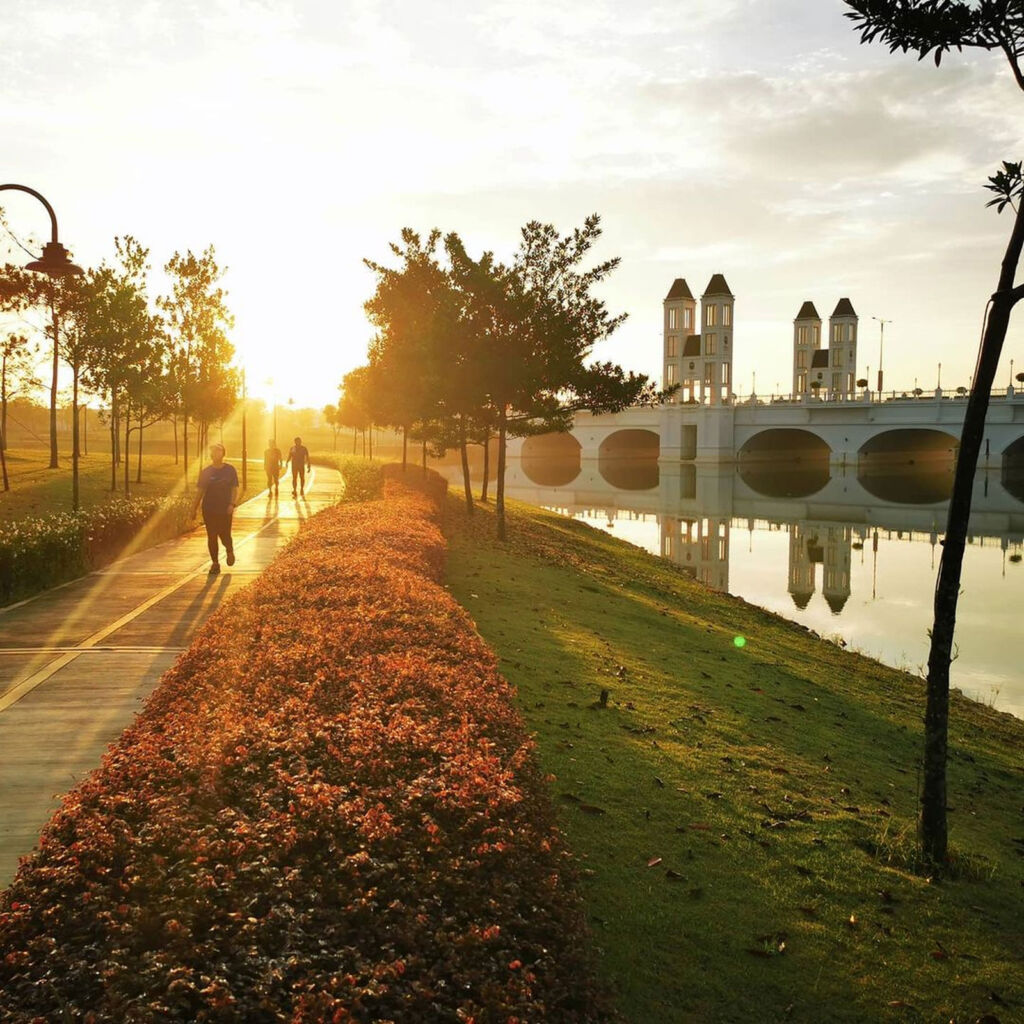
point(77, 661)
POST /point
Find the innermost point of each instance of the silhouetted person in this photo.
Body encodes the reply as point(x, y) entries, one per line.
point(218, 491)
point(272, 464)
point(298, 456)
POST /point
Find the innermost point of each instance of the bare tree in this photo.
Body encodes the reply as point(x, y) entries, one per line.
point(936, 27)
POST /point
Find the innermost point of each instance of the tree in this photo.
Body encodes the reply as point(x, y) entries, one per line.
point(353, 404)
point(534, 323)
point(197, 319)
point(17, 374)
point(330, 413)
point(124, 361)
point(936, 27)
point(412, 359)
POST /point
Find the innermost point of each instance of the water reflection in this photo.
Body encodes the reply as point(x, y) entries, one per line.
point(787, 479)
point(844, 553)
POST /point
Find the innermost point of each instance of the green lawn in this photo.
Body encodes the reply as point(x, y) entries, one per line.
point(744, 815)
point(36, 489)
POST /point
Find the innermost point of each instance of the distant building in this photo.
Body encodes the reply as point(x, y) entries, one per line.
point(830, 372)
point(698, 348)
point(698, 351)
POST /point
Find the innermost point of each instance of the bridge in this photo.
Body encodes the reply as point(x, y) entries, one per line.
point(849, 432)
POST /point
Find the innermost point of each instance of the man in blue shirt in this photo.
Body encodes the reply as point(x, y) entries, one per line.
point(218, 491)
point(298, 456)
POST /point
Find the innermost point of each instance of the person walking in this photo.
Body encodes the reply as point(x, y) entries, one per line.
point(298, 456)
point(272, 465)
point(217, 490)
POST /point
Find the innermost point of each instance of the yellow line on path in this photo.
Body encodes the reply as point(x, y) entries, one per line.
point(26, 686)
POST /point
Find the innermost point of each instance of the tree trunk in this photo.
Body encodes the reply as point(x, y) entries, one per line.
point(487, 466)
point(113, 444)
point(371, 442)
point(184, 444)
point(138, 472)
point(3, 458)
point(465, 465)
point(53, 387)
point(74, 437)
point(499, 496)
point(934, 831)
point(85, 429)
point(355, 439)
point(174, 427)
point(405, 446)
point(127, 449)
point(423, 456)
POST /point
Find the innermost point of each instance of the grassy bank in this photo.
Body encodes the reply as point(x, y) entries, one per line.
point(744, 806)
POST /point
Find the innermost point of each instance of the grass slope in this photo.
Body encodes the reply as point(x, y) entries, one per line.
point(745, 816)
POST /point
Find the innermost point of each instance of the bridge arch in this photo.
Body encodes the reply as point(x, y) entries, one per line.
point(628, 459)
point(910, 445)
point(1015, 450)
point(550, 460)
point(630, 444)
point(784, 444)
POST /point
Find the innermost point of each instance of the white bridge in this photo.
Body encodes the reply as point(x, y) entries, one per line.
point(851, 432)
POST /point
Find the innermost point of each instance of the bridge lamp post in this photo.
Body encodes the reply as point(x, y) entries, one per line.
point(881, 343)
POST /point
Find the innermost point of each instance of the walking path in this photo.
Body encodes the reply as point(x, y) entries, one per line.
point(77, 661)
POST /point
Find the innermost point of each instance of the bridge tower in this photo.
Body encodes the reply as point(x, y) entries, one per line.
point(842, 351)
point(680, 316)
point(715, 361)
point(806, 341)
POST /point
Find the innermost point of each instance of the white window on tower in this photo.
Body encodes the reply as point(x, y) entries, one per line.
point(672, 348)
point(727, 316)
point(673, 319)
point(687, 318)
point(671, 374)
point(837, 356)
point(725, 373)
point(836, 377)
point(801, 357)
point(801, 335)
point(711, 344)
point(801, 382)
point(709, 373)
point(849, 332)
point(711, 316)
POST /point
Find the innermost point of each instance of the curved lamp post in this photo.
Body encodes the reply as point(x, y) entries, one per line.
point(54, 262)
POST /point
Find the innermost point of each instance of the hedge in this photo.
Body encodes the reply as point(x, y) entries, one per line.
point(327, 811)
point(41, 551)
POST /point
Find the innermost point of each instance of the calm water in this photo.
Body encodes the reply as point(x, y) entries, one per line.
point(852, 557)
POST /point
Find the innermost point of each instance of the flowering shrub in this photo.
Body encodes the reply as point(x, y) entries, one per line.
point(39, 551)
point(327, 811)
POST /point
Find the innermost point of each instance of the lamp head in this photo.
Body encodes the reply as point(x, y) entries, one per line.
point(55, 262)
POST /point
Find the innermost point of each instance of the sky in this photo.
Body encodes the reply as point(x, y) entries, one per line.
point(754, 138)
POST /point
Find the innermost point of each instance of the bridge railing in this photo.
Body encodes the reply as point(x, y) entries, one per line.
point(868, 397)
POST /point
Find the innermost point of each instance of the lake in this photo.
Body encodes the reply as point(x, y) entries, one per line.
point(851, 556)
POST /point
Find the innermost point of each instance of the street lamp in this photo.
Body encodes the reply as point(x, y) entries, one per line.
point(54, 262)
point(881, 342)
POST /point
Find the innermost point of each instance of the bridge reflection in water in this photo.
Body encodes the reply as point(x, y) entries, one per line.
point(851, 554)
